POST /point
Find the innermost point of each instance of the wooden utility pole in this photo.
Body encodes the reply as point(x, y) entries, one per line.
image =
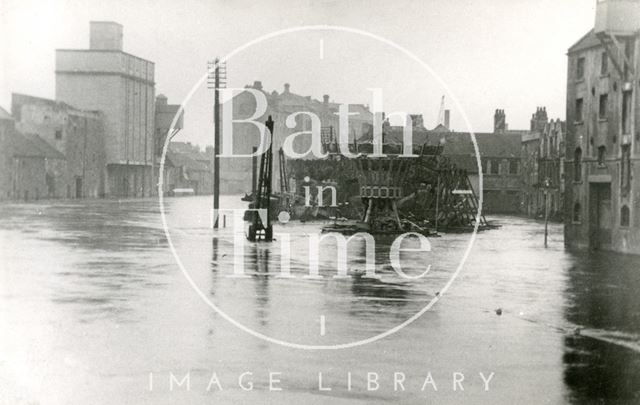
point(218, 71)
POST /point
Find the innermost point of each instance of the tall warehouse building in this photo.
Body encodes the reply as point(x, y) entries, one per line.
point(122, 86)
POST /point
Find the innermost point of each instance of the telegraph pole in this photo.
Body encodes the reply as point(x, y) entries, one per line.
point(216, 78)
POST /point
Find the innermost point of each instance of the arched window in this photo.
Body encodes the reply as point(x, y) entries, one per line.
point(576, 212)
point(577, 165)
point(624, 216)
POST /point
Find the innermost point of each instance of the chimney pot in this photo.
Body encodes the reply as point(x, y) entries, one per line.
point(286, 87)
point(325, 99)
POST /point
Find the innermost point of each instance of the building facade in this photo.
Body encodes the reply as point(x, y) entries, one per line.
point(30, 167)
point(543, 167)
point(602, 181)
point(167, 124)
point(78, 135)
point(121, 86)
point(551, 164)
point(235, 172)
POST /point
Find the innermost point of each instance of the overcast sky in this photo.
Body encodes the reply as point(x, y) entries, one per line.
point(508, 54)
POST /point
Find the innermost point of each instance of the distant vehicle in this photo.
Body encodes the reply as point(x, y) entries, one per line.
point(181, 192)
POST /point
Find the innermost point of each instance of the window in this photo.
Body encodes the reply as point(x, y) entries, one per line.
point(577, 165)
point(624, 216)
point(626, 113)
point(625, 170)
point(580, 69)
point(602, 154)
point(514, 166)
point(495, 167)
point(579, 105)
point(485, 163)
point(58, 134)
point(604, 64)
point(604, 104)
point(576, 212)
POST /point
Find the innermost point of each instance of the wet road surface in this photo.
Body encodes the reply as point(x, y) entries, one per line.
point(95, 309)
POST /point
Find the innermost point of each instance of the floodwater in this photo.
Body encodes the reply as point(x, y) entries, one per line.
point(94, 309)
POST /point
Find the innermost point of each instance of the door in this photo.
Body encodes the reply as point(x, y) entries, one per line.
point(600, 218)
point(78, 187)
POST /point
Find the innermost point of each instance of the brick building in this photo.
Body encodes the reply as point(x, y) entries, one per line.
point(602, 197)
point(121, 86)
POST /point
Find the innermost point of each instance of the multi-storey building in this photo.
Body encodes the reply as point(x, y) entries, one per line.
point(76, 134)
point(543, 166)
point(235, 173)
point(602, 182)
point(121, 86)
point(551, 168)
point(29, 165)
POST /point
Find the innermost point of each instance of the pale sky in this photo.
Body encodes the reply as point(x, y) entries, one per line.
point(508, 54)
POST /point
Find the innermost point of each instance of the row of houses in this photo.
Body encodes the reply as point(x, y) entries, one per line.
point(521, 169)
point(50, 150)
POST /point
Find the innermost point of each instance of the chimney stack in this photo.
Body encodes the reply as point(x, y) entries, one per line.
point(257, 85)
point(499, 122)
point(447, 118)
point(286, 88)
point(325, 99)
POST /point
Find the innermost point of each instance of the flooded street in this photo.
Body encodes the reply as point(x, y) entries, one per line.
point(100, 312)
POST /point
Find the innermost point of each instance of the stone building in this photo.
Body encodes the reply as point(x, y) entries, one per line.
point(121, 86)
point(187, 169)
point(500, 158)
point(7, 125)
point(543, 166)
point(30, 167)
point(236, 172)
point(551, 168)
point(164, 127)
point(531, 202)
point(602, 187)
point(78, 135)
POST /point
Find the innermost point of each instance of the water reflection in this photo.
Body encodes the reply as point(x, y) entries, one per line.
point(601, 355)
point(90, 289)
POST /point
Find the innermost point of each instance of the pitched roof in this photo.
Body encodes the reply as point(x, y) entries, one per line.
point(178, 159)
point(44, 147)
point(191, 150)
point(589, 40)
point(4, 115)
point(458, 143)
point(30, 145)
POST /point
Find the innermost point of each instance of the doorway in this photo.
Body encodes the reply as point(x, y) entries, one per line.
point(78, 187)
point(600, 218)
